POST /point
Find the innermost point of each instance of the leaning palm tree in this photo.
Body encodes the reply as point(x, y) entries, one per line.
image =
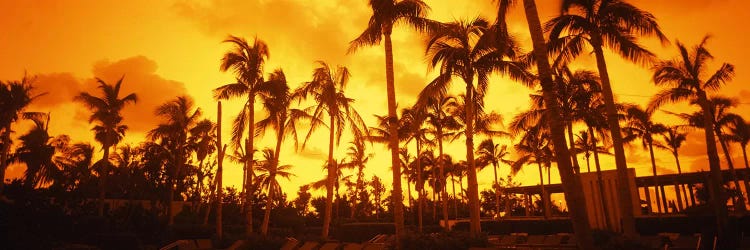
point(282, 118)
point(571, 184)
point(599, 24)
point(327, 89)
point(684, 79)
point(247, 61)
point(15, 97)
point(269, 169)
point(466, 50)
point(641, 126)
point(386, 14)
point(179, 115)
point(493, 154)
point(109, 129)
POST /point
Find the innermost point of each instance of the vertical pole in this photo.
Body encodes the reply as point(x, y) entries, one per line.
point(219, 231)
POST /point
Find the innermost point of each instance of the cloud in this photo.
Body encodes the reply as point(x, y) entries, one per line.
point(139, 77)
point(57, 88)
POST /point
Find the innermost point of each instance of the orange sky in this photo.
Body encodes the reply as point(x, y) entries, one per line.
point(170, 48)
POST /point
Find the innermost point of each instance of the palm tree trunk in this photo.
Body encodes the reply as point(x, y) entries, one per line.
point(497, 191)
point(455, 198)
point(715, 189)
point(473, 188)
point(420, 184)
point(747, 176)
point(660, 202)
point(623, 185)
point(571, 140)
point(681, 188)
point(244, 188)
point(4, 152)
point(249, 151)
point(209, 201)
point(571, 184)
point(103, 184)
point(600, 181)
point(542, 196)
point(219, 176)
point(398, 210)
point(329, 181)
point(408, 191)
point(740, 204)
point(443, 179)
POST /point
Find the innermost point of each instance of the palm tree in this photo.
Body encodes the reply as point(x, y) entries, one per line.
point(15, 97)
point(491, 153)
point(535, 147)
point(571, 184)
point(247, 62)
point(411, 127)
point(406, 161)
point(202, 141)
point(179, 116)
point(269, 169)
point(358, 159)
point(641, 126)
point(684, 79)
point(277, 100)
point(672, 139)
point(739, 132)
point(387, 13)
point(585, 144)
point(109, 129)
point(37, 151)
point(327, 89)
point(615, 24)
point(465, 49)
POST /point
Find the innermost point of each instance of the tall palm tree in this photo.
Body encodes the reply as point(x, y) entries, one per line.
point(269, 169)
point(493, 154)
point(672, 139)
point(571, 184)
point(411, 123)
point(641, 126)
point(15, 97)
point(358, 159)
point(109, 129)
point(327, 89)
point(282, 118)
point(179, 115)
point(247, 62)
point(614, 24)
point(465, 49)
point(386, 14)
point(684, 79)
point(440, 116)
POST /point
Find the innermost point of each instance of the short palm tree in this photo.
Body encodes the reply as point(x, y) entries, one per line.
point(535, 147)
point(37, 151)
point(179, 115)
point(109, 129)
point(599, 24)
point(269, 169)
point(739, 132)
point(411, 128)
point(641, 126)
point(247, 61)
point(672, 139)
point(685, 81)
point(15, 97)
point(358, 159)
point(327, 89)
point(493, 154)
point(385, 15)
point(466, 50)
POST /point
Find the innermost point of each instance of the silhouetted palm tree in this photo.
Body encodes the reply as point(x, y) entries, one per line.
point(466, 49)
point(684, 79)
point(386, 14)
point(739, 132)
point(269, 169)
point(358, 159)
point(179, 115)
point(672, 139)
point(535, 147)
point(641, 126)
point(571, 184)
point(411, 128)
point(599, 24)
point(493, 154)
point(247, 62)
point(15, 97)
point(585, 144)
point(109, 129)
point(327, 89)
point(37, 151)
point(283, 119)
